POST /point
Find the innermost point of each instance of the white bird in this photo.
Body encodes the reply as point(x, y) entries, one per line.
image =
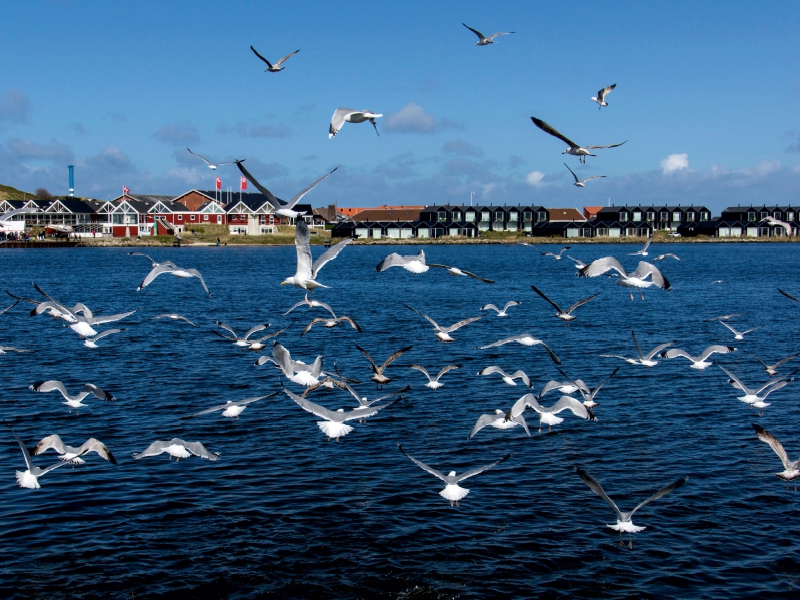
point(153, 263)
point(455, 271)
point(377, 370)
point(574, 149)
point(667, 255)
point(257, 345)
point(282, 209)
point(312, 303)
point(350, 115)
point(306, 273)
point(171, 269)
point(363, 401)
point(239, 341)
point(579, 264)
point(738, 335)
point(508, 379)
point(751, 394)
point(698, 362)
point(723, 317)
point(556, 255)
point(211, 165)
point(232, 408)
point(504, 312)
point(178, 448)
point(643, 251)
point(583, 389)
point(774, 221)
point(503, 420)
point(443, 333)
point(331, 322)
point(641, 359)
point(771, 369)
point(274, 68)
point(601, 96)
point(79, 316)
point(174, 317)
point(334, 425)
point(296, 370)
point(624, 519)
point(92, 342)
point(7, 349)
point(415, 263)
point(72, 454)
point(83, 325)
point(637, 279)
point(30, 477)
point(791, 469)
point(582, 182)
point(482, 39)
point(565, 387)
point(548, 415)
point(452, 491)
point(72, 401)
point(525, 339)
point(565, 315)
point(433, 382)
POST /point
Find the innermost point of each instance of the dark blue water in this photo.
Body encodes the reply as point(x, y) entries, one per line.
point(285, 513)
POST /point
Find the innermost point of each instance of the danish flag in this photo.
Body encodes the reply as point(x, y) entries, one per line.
point(125, 189)
point(244, 183)
point(219, 183)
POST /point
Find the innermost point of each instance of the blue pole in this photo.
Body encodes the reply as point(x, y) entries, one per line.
point(71, 180)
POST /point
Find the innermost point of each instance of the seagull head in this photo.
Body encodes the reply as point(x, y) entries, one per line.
point(288, 280)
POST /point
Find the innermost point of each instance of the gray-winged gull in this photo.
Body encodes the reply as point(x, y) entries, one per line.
point(178, 448)
point(72, 454)
point(351, 115)
point(276, 67)
point(574, 149)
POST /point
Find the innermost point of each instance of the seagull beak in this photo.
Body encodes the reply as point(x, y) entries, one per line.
point(283, 283)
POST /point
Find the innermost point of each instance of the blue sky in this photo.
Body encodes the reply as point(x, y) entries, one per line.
point(708, 96)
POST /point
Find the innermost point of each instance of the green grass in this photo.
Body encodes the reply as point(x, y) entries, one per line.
point(9, 193)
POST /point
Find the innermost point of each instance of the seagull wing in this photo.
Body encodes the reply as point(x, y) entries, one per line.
point(103, 334)
point(643, 269)
point(446, 370)
point(423, 466)
point(552, 131)
point(281, 61)
point(227, 328)
point(302, 242)
point(97, 392)
point(600, 266)
point(662, 492)
point(569, 403)
point(312, 323)
point(482, 422)
point(349, 320)
point(510, 303)
point(302, 193)
point(205, 160)
point(788, 295)
point(600, 147)
point(573, 173)
point(766, 437)
point(479, 470)
point(595, 486)
point(468, 274)
point(604, 92)
point(716, 350)
point(153, 449)
point(781, 361)
point(5, 310)
point(494, 35)
point(283, 359)
point(461, 324)
point(255, 329)
point(556, 306)
point(432, 322)
point(658, 349)
point(369, 358)
point(198, 449)
point(110, 318)
point(315, 409)
point(328, 256)
point(422, 370)
point(731, 329)
point(270, 197)
point(593, 177)
point(95, 445)
point(337, 120)
point(493, 369)
point(581, 302)
point(262, 58)
point(507, 340)
point(155, 272)
point(26, 455)
point(488, 306)
point(51, 441)
point(597, 389)
point(579, 263)
point(480, 36)
point(49, 386)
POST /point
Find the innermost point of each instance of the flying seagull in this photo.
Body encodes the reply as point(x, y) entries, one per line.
point(7, 349)
point(624, 519)
point(443, 333)
point(525, 339)
point(71, 454)
point(171, 269)
point(415, 263)
point(565, 315)
point(667, 255)
point(503, 420)
point(295, 370)
point(504, 312)
point(455, 271)
point(231, 409)
point(548, 415)
point(791, 469)
point(483, 40)
point(574, 149)
point(583, 389)
point(311, 303)
point(174, 317)
point(776, 222)
point(277, 66)
point(601, 96)
point(738, 335)
point(556, 255)
point(306, 273)
point(30, 477)
point(239, 341)
point(751, 395)
point(211, 166)
point(153, 263)
point(507, 378)
point(582, 182)
point(331, 322)
point(452, 491)
point(643, 251)
point(641, 359)
point(771, 369)
point(351, 115)
point(433, 382)
point(178, 448)
point(72, 401)
point(698, 362)
point(282, 209)
point(637, 279)
point(91, 342)
point(378, 377)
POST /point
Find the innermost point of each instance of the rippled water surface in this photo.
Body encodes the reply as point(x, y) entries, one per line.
point(286, 513)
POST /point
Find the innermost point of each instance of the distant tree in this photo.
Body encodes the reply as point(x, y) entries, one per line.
point(43, 194)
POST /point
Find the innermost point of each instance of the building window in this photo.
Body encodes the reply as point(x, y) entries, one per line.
point(513, 216)
point(676, 216)
point(192, 217)
point(790, 216)
point(637, 216)
point(499, 215)
point(602, 231)
point(470, 216)
point(205, 217)
point(751, 215)
point(623, 216)
point(764, 214)
point(664, 215)
point(527, 215)
point(690, 215)
point(456, 215)
point(541, 216)
point(441, 215)
point(485, 215)
point(651, 216)
point(777, 214)
point(703, 215)
point(180, 217)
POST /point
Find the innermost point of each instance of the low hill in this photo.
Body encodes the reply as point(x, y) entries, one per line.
point(9, 193)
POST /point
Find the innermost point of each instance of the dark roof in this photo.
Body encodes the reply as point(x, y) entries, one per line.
point(390, 214)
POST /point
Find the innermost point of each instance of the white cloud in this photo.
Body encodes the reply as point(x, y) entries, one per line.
point(674, 163)
point(535, 178)
point(412, 118)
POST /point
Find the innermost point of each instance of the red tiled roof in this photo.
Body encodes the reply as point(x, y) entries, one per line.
point(590, 212)
point(564, 214)
point(405, 213)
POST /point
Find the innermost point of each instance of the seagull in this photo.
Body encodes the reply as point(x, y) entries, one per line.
point(71, 454)
point(525, 339)
point(548, 415)
point(637, 279)
point(443, 333)
point(791, 470)
point(178, 448)
point(363, 401)
point(83, 325)
point(174, 317)
point(509, 379)
point(499, 420)
point(171, 269)
point(751, 395)
point(583, 389)
point(643, 251)
point(341, 382)
point(153, 263)
point(231, 409)
point(92, 342)
point(579, 264)
point(277, 66)
point(565, 315)
point(770, 369)
point(565, 387)
point(30, 477)
point(737, 335)
point(452, 491)
point(239, 341)
point(455, 271)
point(378, 377)
point(433, 382)
point(624, 519)
point(296, 370)
point(306, 274)
point(601, 96)
point(7, 349)
point(311, 304)
point(698, 362)
point(257, 345)
point(331, 322)
point(483, 40)
point(5, 310)
point(351, 115)
point(211, 166)
point(667, 255)
point(414, 263)
point(574, 149)
point(556, 255)
point(504, 312)
point(282, 209)
point(334, 425)
point(642, 359)
point(79, 323)
point(72, 401)
point(582, 182)
point(774, 221)
point(724, 317)
point(788, 295)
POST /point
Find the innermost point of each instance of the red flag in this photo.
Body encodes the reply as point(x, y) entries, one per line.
point(125, 190)
point(244, 183)
point(219, 183)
